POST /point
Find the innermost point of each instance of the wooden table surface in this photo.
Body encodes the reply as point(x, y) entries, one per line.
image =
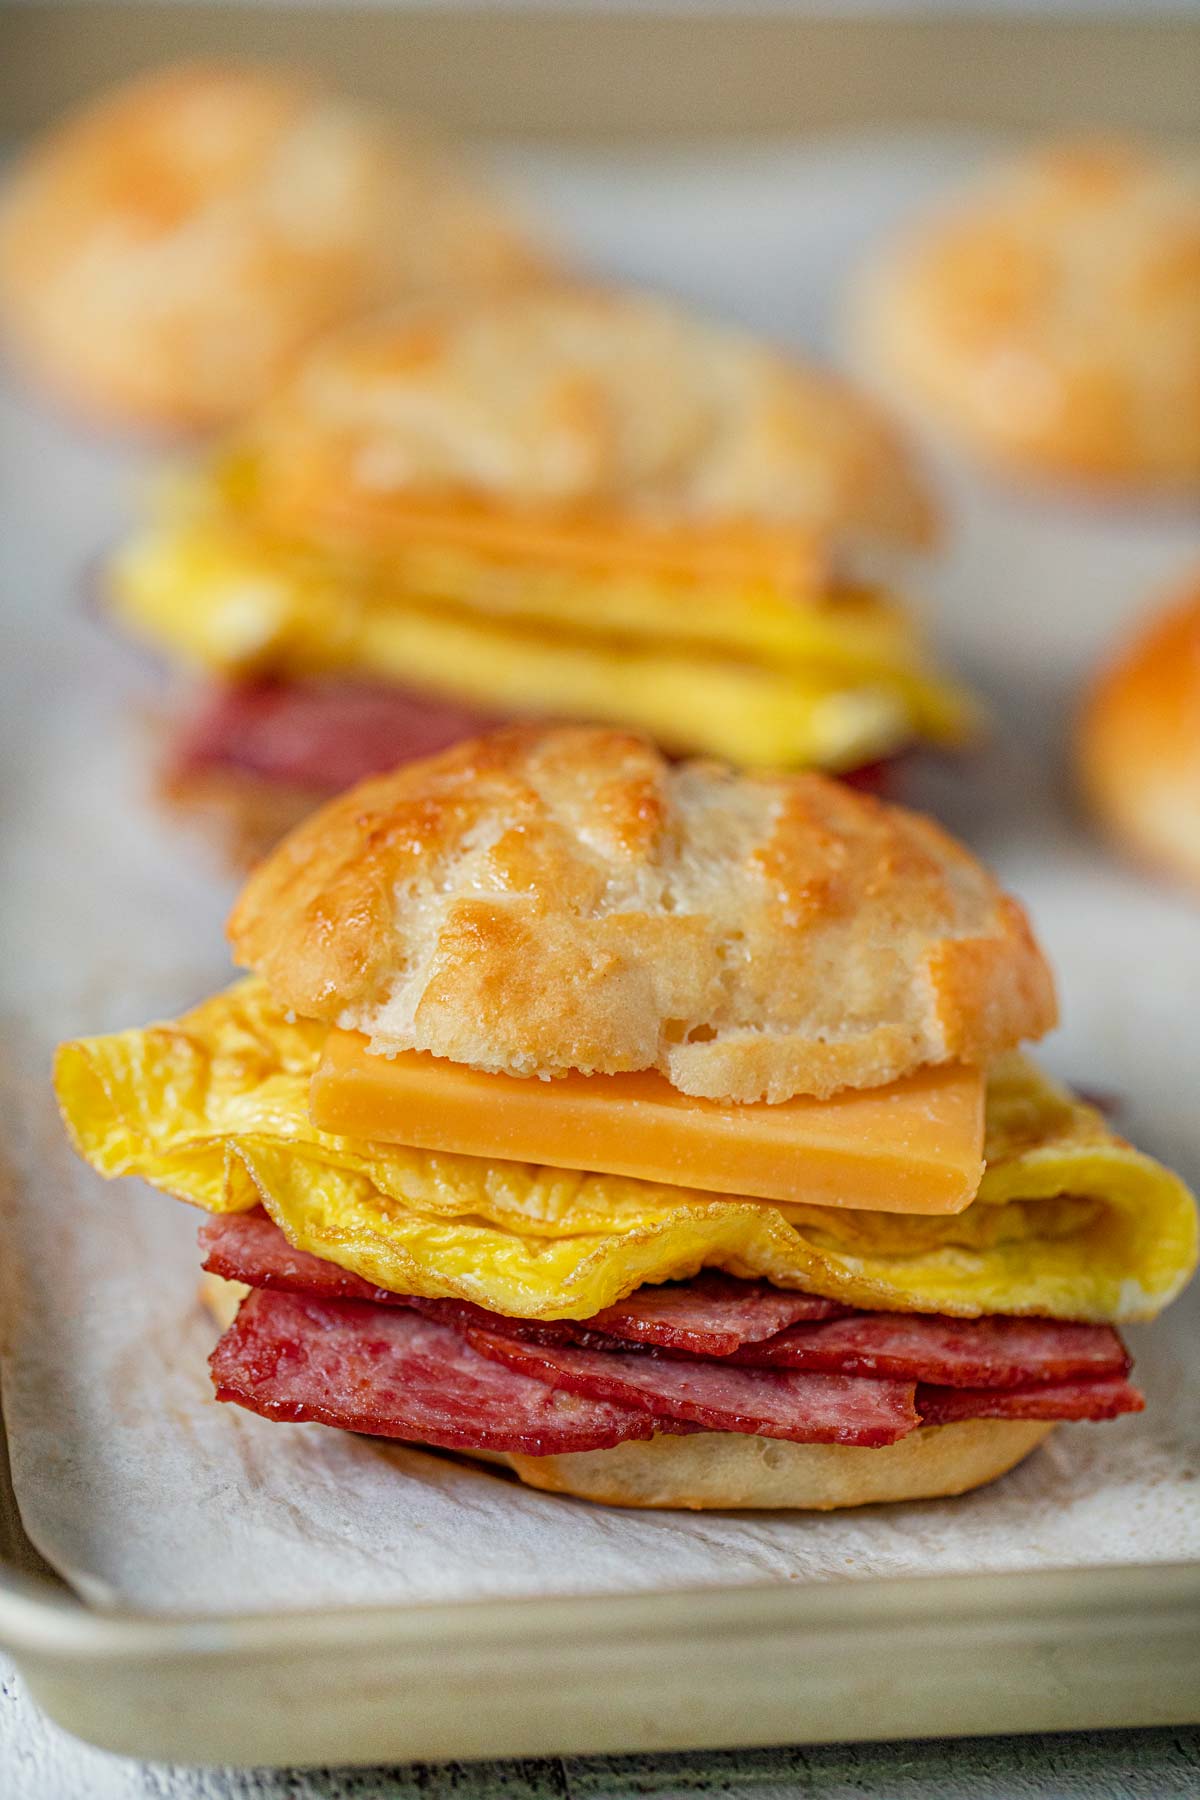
point(39, 1762)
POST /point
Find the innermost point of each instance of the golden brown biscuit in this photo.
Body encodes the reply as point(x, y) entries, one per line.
point(166, 253)
point(723, 1469)
point(578, 409)
point(547, 900)
point(1138, 744)
point(1052, 319)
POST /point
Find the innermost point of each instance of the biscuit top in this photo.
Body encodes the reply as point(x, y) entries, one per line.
point(546, 900)
point(576, 401)
point(1056, 310)
point(209, 218)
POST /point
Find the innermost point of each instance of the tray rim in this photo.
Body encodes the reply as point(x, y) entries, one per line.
point(38, 1614)
point(1120, 1645)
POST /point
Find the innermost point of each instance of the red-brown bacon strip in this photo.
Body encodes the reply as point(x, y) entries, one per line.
point(710, 1316)
point(250, 1247)
point(320, 734)
point(1105, 1398)
point(962, 1353)
point(715, 1315)
point(393, 1373)
point(804, 1408)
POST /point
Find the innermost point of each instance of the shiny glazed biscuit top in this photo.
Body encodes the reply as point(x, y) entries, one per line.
point(1054, 313)
point(575, 401)
point(167, 251)
point(547, 900)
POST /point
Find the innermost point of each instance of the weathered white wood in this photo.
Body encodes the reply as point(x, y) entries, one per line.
point(40, 1762)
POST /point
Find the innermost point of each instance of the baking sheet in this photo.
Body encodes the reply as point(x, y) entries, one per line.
point(131, 1481)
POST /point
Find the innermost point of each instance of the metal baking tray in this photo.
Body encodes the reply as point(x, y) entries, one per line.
point(794, 1663)
point(955, 1656)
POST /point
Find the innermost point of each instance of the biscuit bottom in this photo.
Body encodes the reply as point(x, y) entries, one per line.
point(721, 1470)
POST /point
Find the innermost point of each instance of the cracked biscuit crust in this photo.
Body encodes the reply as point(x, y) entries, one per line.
point(546, 900)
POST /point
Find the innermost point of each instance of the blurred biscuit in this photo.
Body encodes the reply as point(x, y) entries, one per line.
point(1138, 746)
point(1051, 319)
point(570, 401)
point(167, 252)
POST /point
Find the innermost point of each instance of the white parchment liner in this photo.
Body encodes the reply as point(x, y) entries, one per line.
point(131, 1480)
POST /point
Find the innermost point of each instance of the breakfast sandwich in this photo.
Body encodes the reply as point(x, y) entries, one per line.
point(1138, 739)
point(1050, 318)
point(657, 1131)
point(168, 251)
point(562, 504)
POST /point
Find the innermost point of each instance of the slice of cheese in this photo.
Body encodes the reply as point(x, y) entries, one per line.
point(325, 499)
point(915, 1146)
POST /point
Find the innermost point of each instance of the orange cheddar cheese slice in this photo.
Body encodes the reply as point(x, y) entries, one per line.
point(915, 1146)
point(315, 495)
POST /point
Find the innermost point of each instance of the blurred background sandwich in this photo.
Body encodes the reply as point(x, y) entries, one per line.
point(564, 502)
point(1137, 746)
point(1049, 316)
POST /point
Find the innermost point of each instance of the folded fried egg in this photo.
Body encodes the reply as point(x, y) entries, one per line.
point(727, 664)
point(1070, 1221)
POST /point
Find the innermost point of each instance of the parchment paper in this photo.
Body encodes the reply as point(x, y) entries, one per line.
point(131, 1480)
